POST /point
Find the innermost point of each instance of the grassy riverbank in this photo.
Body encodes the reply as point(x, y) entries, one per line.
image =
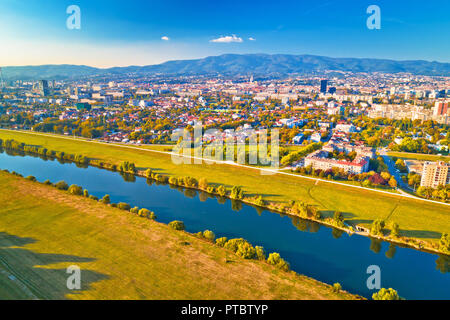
point(417, 219)
point(44, 230)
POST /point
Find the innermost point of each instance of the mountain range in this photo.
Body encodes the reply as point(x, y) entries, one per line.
point(235, 64)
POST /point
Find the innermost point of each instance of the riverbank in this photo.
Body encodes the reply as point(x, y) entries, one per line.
point(45, 227)
point(420, 221)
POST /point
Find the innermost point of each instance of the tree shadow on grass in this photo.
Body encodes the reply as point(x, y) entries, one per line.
point(420, 234)
point(28, 272)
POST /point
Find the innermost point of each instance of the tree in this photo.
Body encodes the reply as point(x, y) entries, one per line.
point(392, 182)
point(221, 191)
point(377, 227)
point(395, 230)
point(237, 193)
point(338, 218)
point(386, 294)
point(400, 164)
point(444, 243)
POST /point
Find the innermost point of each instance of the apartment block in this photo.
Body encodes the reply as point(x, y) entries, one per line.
point(435, 174)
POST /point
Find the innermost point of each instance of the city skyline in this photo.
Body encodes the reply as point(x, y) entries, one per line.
point(134, 33)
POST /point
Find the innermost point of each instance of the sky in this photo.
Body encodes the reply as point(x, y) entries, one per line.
point(123, 33)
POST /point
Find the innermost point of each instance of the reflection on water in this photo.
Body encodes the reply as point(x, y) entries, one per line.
point(326, 254)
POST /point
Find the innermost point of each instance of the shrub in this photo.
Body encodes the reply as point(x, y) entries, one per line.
point(62, 185)
point(106, 199)
point(114, 205)
point(148, 173)
point(259, 201)
point(386, 294)
point(47, 182)
point(190, 182)
point(210, 189)
point(246, 250)
point(337, 287)
point(221, 241)
point(86, 193)
point(124, 206)
point(209, 235)
point(260, 253)
point(31, 178)
point(177, 225)
point(93, 197)
point(173, 181)
point(199, 235)
point(276, 260)
point(134, 210)
point(203, 184)
point(145, 213)
point(75, 190)
point(233, 244)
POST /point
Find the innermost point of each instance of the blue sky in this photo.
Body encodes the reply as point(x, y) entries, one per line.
point(120, 33)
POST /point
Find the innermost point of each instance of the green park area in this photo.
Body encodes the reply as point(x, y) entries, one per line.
point(418, 156)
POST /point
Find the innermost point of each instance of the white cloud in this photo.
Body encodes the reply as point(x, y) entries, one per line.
point(251, 39)
point(165, 38)
point(227, 39)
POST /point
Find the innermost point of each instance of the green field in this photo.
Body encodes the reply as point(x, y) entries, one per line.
point(418, 156)
point(44, 230)
point(416, 218)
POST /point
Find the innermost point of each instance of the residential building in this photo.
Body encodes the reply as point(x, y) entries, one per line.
point(435, 174)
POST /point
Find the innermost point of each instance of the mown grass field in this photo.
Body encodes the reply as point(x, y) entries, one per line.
point(416, 218)
point(44, 230)
point(418, 156)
